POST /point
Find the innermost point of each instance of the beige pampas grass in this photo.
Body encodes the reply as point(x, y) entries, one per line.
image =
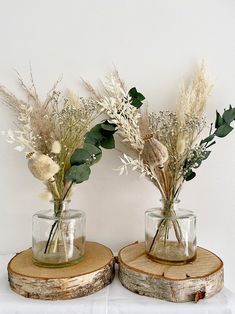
point(159, 142)
point(193, 98)
point(50, 129)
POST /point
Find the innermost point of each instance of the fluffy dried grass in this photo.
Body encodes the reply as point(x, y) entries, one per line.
point(61, 119)
point(154, 134)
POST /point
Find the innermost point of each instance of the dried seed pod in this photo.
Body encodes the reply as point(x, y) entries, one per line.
point(154, 152)
point(42, 166)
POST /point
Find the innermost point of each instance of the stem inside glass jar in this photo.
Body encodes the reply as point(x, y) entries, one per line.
point(170, 219)
point(56, 228)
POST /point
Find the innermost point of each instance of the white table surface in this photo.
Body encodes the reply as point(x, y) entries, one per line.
point(114, 299)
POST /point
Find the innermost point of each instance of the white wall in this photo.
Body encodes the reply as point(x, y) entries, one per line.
point(154, 44)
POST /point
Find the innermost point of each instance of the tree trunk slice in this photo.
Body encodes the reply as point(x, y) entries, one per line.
point(91, 274)
point(201, 278)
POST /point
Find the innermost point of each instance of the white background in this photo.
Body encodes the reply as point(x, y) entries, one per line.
point(155, 45)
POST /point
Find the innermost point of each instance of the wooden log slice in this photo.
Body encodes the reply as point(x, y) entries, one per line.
point(93, 273)
point(201, 278)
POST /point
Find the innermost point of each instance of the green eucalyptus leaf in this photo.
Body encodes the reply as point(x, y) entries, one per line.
point(100, 134)
point(78, 174)
point(206, 154)
point(136, 97)
point(94, 151)
point(229, 115)
point(91, 149)
point(133, 92)
point(189, 175)
point(136, 103)
point(108, 142)
point(91, 139)
point(141, 97)
point(223, 130)
point(79, 156)
point(198, 163)
point(94, 136)
point(96, 128)
point(89, 154)
point(208, 139)
point(109, 127)
point(219, 120)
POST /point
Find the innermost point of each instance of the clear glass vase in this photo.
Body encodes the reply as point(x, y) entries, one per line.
point(58, 236)
point(170, 234)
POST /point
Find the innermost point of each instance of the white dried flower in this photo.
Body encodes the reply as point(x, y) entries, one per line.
point(56, 147)
point(42, 166)
point(136, 164)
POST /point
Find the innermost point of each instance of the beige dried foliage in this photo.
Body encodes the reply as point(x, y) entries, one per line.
point(53, 127)
point(159, 142)
point(193, 98)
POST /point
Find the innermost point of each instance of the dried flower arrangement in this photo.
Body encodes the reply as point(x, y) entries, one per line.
point(58, 140)
point(166, 146)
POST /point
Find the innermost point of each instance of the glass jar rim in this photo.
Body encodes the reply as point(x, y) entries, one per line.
point(181, 213)
point(49, 214)
point(60, 201)
point(175, 200)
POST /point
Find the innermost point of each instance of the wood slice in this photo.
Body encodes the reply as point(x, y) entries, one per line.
point(201, 278)
point(93, 273)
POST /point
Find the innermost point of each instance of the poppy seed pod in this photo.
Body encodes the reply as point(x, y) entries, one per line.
point(42, 166)
point(154, 152)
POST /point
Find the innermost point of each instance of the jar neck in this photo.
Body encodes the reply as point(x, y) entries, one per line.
point(60, 206)
point(170, 205)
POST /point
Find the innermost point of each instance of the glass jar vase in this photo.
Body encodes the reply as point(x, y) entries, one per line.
point(58, 236)
point(170, 234)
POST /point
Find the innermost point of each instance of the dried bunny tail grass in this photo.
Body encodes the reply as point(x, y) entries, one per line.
point(42, 167)
point(56, 147)
point(193, 99)
point(144, 125)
